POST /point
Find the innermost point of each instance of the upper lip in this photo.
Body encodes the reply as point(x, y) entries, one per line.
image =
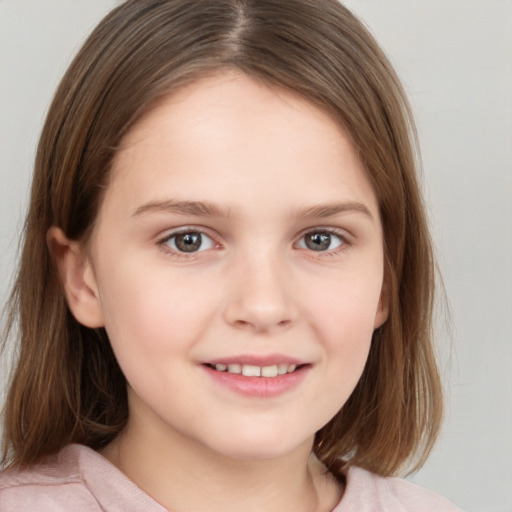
point(257, 360)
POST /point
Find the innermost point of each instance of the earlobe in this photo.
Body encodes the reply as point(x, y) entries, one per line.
point(77, 278)
point(382, 309)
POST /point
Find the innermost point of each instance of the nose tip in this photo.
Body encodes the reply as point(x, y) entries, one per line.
point(261, 301)
point(261, 322)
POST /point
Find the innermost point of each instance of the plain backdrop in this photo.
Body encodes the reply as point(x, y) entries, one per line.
point(455, 59)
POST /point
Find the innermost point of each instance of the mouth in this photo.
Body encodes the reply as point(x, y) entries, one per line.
point(270, 378)
point(251, 370)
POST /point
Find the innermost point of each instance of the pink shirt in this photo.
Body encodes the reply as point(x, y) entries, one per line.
point(80, 480)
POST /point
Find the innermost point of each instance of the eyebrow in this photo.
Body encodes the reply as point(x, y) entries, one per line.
point(329, 210)
point(207, 209)
point(196, 208)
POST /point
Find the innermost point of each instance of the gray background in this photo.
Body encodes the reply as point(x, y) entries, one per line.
point(454, 57)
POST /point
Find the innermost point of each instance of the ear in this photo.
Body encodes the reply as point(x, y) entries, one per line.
point(382, 308)
point(77, 278)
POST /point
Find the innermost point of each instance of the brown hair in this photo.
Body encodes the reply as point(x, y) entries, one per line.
point(67, 386)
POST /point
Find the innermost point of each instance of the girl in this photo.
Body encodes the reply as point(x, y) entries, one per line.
point(225, 292)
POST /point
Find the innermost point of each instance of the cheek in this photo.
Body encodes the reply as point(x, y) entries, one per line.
point(346, 306)
point(343, 316)
point(155, 310)
point(343, 325)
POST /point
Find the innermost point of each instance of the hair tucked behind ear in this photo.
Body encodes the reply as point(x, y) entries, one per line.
point(67, 386)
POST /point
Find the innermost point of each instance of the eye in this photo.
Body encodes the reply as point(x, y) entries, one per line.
point(320, 241)
point(189, 241)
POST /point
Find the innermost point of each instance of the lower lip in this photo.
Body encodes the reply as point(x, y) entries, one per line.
point(261, 387)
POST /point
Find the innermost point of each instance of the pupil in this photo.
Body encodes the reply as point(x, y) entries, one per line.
point(188, 242)
point(318, 241)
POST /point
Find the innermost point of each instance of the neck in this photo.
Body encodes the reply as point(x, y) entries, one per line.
point(185, 476)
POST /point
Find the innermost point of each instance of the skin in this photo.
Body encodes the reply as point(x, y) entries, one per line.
point(272, 168)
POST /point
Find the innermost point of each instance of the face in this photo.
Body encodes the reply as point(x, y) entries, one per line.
point(237, 266)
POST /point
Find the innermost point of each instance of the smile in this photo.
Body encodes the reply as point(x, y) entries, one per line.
point(270, 378)
point(250, 370)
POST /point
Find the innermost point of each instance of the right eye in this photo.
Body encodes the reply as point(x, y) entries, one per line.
point(189, 242)
point(321, 241)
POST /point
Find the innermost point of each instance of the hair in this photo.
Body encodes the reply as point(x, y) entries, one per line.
point(67, 385)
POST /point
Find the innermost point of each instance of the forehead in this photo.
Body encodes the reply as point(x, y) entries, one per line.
point(227, 98)
point(237, 137)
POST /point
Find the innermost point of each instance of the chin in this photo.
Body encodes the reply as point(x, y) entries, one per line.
point(256, 446)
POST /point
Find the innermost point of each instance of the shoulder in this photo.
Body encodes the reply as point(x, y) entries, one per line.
point(78, 479)
point(52, 485)
point(367, 492)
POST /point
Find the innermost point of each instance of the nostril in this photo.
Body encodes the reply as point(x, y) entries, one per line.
point(242, 323)
point(260, 313)
point(259, 325)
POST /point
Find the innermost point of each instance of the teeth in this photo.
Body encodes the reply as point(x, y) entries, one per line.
point(282, 369)
point(234, 368)
point(249, 370)
point(269, 371)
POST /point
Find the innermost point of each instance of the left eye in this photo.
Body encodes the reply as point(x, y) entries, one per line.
point(320, 241)
point(190, 241)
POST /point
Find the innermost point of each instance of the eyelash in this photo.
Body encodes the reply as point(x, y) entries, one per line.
point(344, 243)
point(164, 242)
point(342, 238)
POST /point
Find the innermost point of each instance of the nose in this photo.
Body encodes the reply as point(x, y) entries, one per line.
point(261, 297)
